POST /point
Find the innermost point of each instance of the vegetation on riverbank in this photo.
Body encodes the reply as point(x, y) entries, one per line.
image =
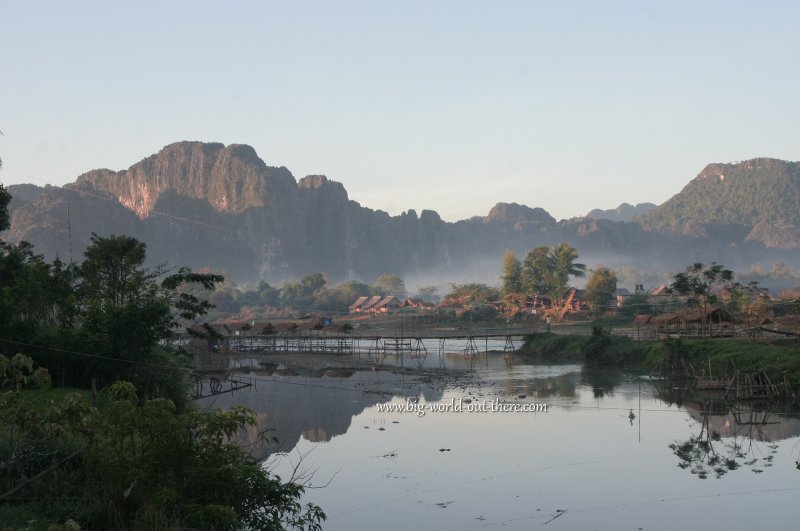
point(777, 357)
point(134, 453)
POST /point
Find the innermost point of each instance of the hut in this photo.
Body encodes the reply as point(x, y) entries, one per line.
point(390, 302)
point(356, 307)
point(369, 305)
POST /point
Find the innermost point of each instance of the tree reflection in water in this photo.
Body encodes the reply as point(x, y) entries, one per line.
point(732, 434)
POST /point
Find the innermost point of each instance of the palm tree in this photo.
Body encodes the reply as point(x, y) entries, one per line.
point(562, 261)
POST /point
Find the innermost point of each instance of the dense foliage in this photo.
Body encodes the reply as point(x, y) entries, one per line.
point(748, 193)
point(600, 287)
point(544, 271)
point(472, 293)
point(143, 457)
point(312, 293)
point(136, 464)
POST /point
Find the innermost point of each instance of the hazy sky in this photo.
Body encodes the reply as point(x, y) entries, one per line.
point(452, 106)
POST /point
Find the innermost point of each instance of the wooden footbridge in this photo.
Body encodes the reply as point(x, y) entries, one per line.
point(378, 345)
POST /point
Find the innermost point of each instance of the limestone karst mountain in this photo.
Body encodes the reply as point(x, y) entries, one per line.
point(222, 207)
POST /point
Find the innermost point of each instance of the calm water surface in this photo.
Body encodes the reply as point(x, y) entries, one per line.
point(599, 458)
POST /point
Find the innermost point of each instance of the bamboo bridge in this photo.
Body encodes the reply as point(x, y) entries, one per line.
point(377, 345)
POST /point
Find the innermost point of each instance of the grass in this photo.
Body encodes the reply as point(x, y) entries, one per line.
point(778, 358)
point(560, 347)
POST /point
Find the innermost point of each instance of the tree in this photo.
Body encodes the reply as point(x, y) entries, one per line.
point(746, 300)
point(636, 304)
point(428, 293)
point(113, 271)
point(699, 284)
point(512, 273)
point(267, 295)
point(127, 316)
point(341, 296)
point(184, 471)
point(564, 256)
point(473, 292)
point(134, 463)
point(537, 270)
point(301, 294)
point(546, 270)
point(5, 199)
point(390, 284)
point(600, 287)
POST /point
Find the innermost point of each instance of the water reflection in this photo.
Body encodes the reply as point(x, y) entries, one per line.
point(316, 409)
point(730, 434)
point(605, 452)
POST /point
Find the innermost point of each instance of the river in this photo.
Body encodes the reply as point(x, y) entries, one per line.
point(612, 450)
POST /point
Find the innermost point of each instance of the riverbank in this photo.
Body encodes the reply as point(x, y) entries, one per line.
point(776, 357)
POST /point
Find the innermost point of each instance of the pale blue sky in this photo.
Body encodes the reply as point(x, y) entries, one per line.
point(451, 106)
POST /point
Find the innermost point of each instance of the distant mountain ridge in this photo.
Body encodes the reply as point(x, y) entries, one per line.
point(624, 212)
point(222, 207)
point(760, 197)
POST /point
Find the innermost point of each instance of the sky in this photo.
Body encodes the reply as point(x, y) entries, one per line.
point(452, 106)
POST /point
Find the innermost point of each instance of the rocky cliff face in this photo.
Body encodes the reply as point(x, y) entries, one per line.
point(210, 205)
point(231, 178)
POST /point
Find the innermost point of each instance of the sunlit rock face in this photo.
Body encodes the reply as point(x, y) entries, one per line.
point(222, 207)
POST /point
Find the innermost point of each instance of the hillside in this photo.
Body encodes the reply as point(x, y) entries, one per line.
point(222, 207)
point(624, 212)
point(759, 197)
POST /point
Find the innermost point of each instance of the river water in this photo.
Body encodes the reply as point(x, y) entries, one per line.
point(612, 451)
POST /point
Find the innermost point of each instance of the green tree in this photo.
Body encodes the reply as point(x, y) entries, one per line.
point(699, 283)
point(128, 316)
point(341, 296)
point(5, 199)
point(300, 295)
point(147, 464)
point(113, 271)
point(267, 295)
point(390, 284)
point(512, 273)
point(564, 257)
point(547, 270)
point(428, 293)
point(138, 464)
point(33, 289)
point(636, 304)
point(600, 287)
point(537, 268)
point(473, 292)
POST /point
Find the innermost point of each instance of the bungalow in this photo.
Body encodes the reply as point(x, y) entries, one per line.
point(368, 306)
point(375, 304)
point(356, 306)
point(390, 302)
